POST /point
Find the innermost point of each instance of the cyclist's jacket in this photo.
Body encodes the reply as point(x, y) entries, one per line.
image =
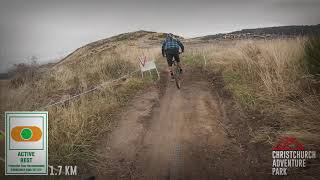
point(171, 45)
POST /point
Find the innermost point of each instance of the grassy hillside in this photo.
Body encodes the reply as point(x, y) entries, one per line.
point(75, 127)
point(276, 82)
point(134, 40)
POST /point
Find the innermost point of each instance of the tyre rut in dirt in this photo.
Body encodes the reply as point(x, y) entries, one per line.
point(177, 82)
point(176, 166)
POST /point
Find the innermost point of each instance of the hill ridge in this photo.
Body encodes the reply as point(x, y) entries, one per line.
point(268, 32)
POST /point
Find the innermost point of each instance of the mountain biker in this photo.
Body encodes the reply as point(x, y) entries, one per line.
point(170, 49)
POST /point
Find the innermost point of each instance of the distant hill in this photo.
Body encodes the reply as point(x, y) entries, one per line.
point(268, 32)
point(4, 76)
point(100, 46)
point(149, 39)
point(139, 39)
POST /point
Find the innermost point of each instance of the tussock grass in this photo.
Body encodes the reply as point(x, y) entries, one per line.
point(76, 127)
point(272, 78)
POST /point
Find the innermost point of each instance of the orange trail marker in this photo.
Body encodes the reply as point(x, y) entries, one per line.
point(26, 133)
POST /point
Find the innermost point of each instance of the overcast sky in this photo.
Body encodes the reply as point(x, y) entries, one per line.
point(50, 29)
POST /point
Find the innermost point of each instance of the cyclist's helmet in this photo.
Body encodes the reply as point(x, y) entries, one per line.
point(170, 35)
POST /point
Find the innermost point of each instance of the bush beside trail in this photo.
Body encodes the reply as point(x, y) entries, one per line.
point(271, 79)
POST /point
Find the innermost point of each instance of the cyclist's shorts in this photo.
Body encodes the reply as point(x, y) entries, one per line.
point(170, 58)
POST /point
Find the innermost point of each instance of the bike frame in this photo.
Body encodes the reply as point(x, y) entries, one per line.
point(176, 74)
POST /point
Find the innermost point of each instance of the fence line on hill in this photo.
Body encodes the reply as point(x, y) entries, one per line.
point(97, 87)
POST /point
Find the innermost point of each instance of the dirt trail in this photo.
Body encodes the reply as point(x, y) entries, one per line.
point(174, 134)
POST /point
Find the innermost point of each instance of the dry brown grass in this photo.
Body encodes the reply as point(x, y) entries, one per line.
point(269, 78)
point(76, 127)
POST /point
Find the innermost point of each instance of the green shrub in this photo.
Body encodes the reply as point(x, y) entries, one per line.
point(312, 55)
point(23, 73)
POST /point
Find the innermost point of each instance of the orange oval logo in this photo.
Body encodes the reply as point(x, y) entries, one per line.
point(26, 133)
